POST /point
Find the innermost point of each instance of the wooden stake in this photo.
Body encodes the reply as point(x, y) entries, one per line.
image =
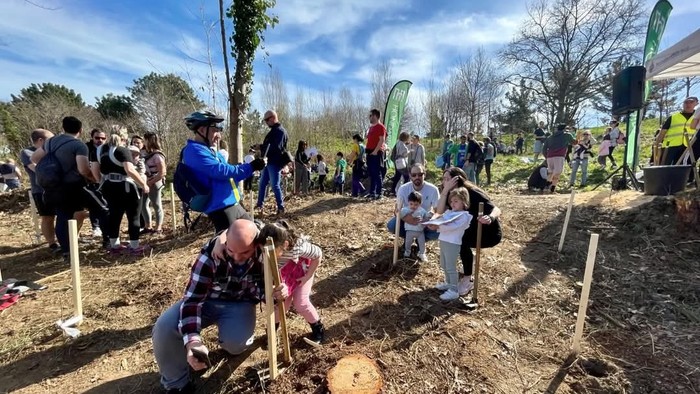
point(172, 206)
point(397, 230)
point(252, 206)
point(281, 313)
point(566, 220)
point(583, 303)
point(35, 219)
point(477, 260)
point(689, 151)
point(75, 266)
point(270, 318)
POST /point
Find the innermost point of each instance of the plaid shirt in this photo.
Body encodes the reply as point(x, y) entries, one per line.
point(218, 280)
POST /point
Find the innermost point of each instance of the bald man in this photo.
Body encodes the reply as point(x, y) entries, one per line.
point(220, 292)
point(46, 211)
point(274, 147)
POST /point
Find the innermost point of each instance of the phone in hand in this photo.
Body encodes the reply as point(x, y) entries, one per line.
point(202, 356)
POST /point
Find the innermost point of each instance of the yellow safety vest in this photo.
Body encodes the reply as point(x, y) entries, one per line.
point(674, 134)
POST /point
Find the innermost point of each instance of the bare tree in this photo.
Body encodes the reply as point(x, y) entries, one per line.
point(689, 83)
point(275, 94)
point(664, 96)
point(382, 82)
point(563, 43)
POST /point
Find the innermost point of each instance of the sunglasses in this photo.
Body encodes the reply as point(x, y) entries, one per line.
point(99, 138)
point(417, 174)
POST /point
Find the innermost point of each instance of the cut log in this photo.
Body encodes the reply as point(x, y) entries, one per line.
point(356, 374)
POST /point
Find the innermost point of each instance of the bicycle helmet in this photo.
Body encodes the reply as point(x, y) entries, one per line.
point(198, 119)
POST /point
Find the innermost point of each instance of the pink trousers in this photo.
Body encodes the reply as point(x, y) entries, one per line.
point(299, 298)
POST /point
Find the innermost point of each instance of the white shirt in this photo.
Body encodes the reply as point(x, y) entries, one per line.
point(248, 158)
point(224, 154)
point(419, 213)
point(322, 168)
point(453, 231)
point(430, 193)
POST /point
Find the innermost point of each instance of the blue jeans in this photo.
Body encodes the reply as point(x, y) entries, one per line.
point(470, 169)
point(270, 174)
point(236, 324)
point(430, 235)
point(575, 164)
point(374, 168)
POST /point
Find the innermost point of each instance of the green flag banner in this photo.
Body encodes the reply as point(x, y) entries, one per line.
point(657, 25)
point(395, 105)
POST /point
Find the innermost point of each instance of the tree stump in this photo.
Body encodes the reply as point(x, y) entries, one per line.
point(688, 208)
point(355, 374)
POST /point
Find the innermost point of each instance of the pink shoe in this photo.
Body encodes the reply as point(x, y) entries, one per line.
point(117, 250)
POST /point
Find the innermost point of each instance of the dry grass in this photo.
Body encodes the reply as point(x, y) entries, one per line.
point(641, 333)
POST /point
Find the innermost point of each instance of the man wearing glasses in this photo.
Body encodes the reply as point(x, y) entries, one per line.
point(674, 132)
point(274, 148)
point(210, 168)
point(431, 197)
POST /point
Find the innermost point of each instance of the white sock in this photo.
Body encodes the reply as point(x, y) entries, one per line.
point(114, 242)
point(133, 244)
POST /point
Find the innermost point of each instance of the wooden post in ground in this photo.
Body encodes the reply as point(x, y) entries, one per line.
point(252, 206)
point(271, 261)
point(691, 156)
point(397, 231)
point(477, 260)
point(172, 206)
point(270, 319)
point(75, 268)
point(35, 219)
point(583, 303)
point(566, 220)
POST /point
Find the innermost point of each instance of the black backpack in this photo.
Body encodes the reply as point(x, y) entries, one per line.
point(193, 192)
point(394, 154)
point(49, 171)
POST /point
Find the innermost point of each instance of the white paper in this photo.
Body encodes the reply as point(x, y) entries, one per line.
point(444, 219)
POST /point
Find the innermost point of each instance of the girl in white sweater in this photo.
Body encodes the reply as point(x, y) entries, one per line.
point(451, 241)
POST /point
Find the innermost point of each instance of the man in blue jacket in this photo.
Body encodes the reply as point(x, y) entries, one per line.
point(274, 148)
point(211, 168)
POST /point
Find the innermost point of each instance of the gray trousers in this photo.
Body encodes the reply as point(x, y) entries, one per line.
point(154, 195)
point(414, 235)
point(449, 254)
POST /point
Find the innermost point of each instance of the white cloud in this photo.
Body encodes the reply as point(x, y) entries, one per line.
point(320, 66)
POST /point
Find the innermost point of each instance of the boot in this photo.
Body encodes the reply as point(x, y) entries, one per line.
point(317, 332)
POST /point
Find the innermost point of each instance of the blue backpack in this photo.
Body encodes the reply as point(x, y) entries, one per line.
point(192, 191)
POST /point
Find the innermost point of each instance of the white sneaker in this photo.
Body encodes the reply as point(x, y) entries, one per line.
point(407, 255)
point(465, 286)
point(442, 286)
point(421, 257)
point(449, 295)
point(97, 232)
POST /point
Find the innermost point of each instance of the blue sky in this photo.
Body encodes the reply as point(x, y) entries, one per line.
point(97, 47)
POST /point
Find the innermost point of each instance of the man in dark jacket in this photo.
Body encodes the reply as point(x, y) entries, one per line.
point(274, 147)
point(554, 150)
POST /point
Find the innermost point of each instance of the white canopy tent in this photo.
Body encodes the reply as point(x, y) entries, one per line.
point(680, 60)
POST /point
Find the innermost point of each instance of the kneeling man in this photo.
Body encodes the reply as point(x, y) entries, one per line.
point(223, 293)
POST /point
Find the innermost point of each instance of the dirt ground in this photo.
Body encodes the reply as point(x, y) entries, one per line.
point(642, 333)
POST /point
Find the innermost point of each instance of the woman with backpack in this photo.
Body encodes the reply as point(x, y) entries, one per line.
point(156, 169)
point(399, 155)
point(122, 187)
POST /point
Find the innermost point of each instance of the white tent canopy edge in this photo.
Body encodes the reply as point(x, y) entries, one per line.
point(680, 60)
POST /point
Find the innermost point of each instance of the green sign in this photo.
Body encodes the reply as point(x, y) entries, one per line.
point(395, 105)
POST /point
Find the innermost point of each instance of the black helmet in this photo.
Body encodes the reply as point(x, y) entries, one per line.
point(198, 119)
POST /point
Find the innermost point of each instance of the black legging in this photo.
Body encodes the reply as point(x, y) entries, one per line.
point(490, 236)
point(121, 201)
point(487, 166)
point(397, 175)
point(223, 218)
point(610, 156)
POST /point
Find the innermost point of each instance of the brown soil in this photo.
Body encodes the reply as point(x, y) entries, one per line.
point(641, 334)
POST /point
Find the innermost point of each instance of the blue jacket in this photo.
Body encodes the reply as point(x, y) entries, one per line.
point(211, 167)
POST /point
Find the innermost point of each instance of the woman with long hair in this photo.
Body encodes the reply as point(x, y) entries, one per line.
point(491, 236)
point(122, 187)
point(156, 169)
point(400, 158)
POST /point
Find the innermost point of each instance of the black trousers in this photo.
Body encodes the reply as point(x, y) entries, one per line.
point(491, 236)
point(223, 218)
point(122, 200)
point(610, 156)
point(321, 183)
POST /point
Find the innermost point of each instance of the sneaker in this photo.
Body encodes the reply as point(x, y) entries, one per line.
point(614, 167)
point(117, 250)
point(449, 295)
point(96, 232)
point(465, 286)
point(54, 248)
point(421, 257)
point(407, 255)
point(188, 389)
point(442, 286)
point(552, 188)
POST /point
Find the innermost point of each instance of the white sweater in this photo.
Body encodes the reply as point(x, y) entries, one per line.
point(452, 232)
